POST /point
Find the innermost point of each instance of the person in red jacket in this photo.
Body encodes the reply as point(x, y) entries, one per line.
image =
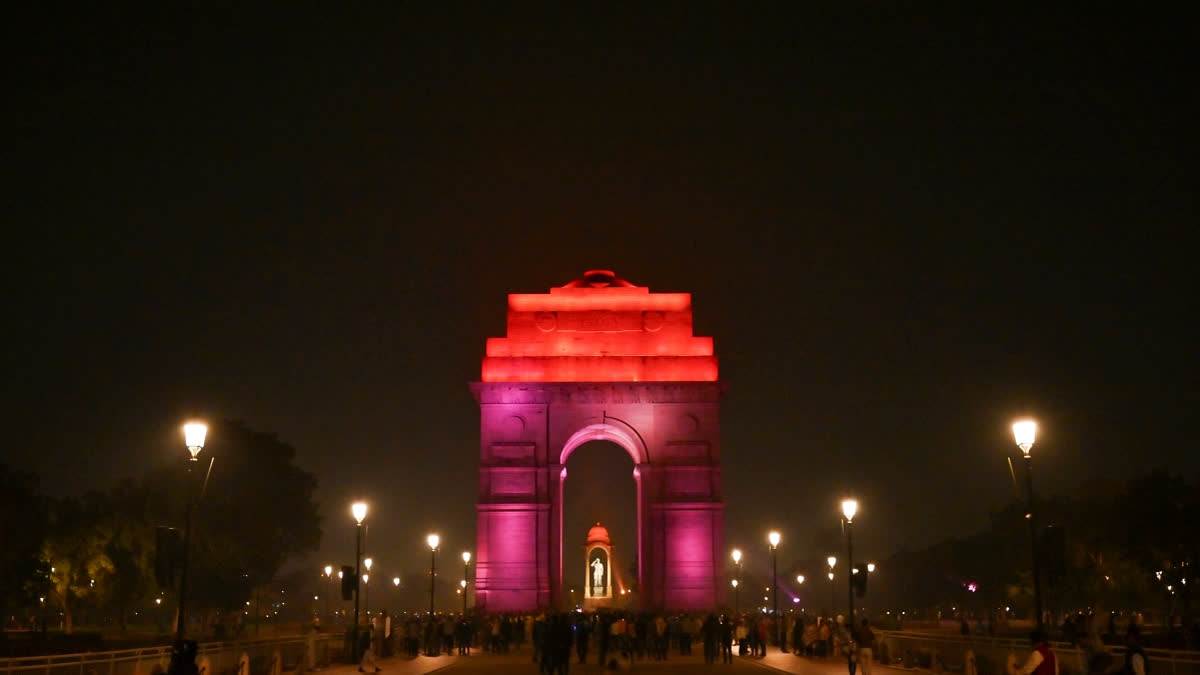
point(1042, 660)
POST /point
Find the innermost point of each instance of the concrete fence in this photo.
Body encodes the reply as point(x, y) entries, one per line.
point(247, 657)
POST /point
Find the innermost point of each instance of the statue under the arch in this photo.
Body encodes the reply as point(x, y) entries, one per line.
point(599, 359)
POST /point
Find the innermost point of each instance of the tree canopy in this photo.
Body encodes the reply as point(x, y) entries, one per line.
point(22, 533)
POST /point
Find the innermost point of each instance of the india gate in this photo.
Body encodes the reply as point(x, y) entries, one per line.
point(599, 359)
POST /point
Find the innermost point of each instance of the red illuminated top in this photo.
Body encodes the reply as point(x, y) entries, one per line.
point(600, 328)
point(598, 535)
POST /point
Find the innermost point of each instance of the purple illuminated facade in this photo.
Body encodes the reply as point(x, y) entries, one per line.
point(659, 400)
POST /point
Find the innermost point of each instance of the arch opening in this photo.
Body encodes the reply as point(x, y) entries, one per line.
point(599, 487)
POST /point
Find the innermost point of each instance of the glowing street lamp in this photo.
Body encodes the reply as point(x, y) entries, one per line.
point(359, 511)
point(799, 578)
point(773, 540)
point(1024, 432)
point(183, 660)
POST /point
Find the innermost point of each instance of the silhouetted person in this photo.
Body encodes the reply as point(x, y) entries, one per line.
point(1135, 656)
point(1042, 660)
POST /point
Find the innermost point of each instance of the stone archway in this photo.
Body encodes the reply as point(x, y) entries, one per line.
point(599, 359)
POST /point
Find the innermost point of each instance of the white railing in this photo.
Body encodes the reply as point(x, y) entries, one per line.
point(991, 655)
point(246, 657)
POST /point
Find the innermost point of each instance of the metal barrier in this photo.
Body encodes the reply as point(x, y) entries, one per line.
point(263, 657)
point(977, 655)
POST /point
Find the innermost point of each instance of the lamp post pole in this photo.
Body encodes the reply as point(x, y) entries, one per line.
point(183, 659)
point(849, 508)
point(737, 562)
point(328, 586)
point(366, 579)
point(432, 540)
point(1024, 433)
point(773, 539)
point(466, 558)
point(832, 560)
point(359, 509)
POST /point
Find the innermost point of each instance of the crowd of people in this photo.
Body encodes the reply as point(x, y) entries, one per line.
point(612, 636)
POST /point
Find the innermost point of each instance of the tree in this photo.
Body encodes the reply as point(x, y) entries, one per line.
point(75, 551)
point(128, 541)
point(22, 533)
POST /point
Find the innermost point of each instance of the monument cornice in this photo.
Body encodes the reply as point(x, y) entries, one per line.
point(597, 392)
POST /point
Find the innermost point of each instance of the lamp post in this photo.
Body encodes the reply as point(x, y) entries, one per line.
point(773, 540)
point(1024, 432)
point(183, 659)
point(737, 561)
point(832, 560)
point(366, 579)
point(466, 557)
point(432, 540)
point(359, 511)
point(367, 562)
point(849, 508)
point(328, 586)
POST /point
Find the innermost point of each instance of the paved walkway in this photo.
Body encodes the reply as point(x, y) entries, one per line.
point(520, 663)
point(790, 663)
point(399, 665)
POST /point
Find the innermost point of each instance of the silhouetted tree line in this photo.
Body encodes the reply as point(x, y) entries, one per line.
point(1132, 546)
point(102, 551)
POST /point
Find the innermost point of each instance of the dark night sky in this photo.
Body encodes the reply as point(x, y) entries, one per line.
point(901, 230)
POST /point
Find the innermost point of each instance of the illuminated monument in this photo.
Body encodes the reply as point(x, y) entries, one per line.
point(600, 581)
point(599, 359)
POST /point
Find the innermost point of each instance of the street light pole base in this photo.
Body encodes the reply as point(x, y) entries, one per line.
point(183, 658)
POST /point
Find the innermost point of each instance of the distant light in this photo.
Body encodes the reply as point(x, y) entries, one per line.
point(796, 600)
point(316, 598)
point(831, 576)
point(193, 437)
point(463, 583)
point(734, 582)
point(870, 567)
point(466, 557)
point(773, 537)
point(368, 562)
point(849, 508)
point(396, 581)
point(800, 578)
point(366, 578)
point(1024, 432)
point(157, 601)
point(832, 560)
point(737, 555)
point(328, 570)
point(359, 510)
point(339, 576)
